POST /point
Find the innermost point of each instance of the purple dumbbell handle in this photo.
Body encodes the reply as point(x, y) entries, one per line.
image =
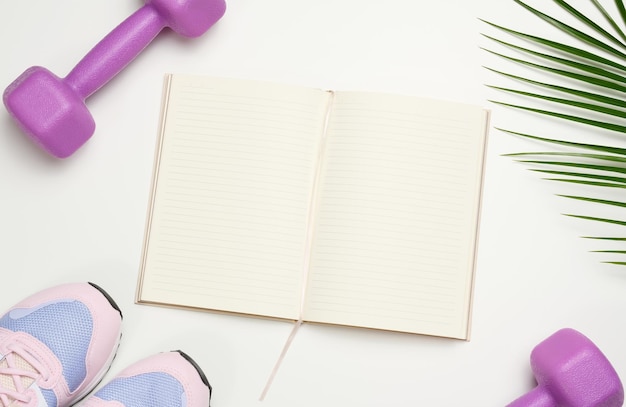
point(115, 51)
point(538, 397)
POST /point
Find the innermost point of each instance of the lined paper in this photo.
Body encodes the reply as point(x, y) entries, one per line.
point(231, 203)
point(346, 208)
point(398, 215)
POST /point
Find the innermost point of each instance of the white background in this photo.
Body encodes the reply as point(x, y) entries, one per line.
point(83, 218)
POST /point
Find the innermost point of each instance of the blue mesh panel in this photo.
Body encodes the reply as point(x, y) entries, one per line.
point(65, 327)
point(148, 389)
point(50, 397)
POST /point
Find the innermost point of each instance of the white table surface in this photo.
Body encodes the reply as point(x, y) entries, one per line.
point(83, 218)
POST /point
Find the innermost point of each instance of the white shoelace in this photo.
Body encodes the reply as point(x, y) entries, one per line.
point(19, 369)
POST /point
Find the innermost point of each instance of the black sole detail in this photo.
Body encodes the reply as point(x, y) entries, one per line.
point(108, 297)
point(198, 369)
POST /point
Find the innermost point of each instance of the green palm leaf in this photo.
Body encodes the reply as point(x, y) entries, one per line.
point(575, 33)
point(622, 9)
point(586, 67)
point(608, 100)
point(581, 17)
point(602, 201)
point(563, 48)
point(610, 19)
point(594, 147)
point(586, 79)
point(570, 102)
point(586, 86)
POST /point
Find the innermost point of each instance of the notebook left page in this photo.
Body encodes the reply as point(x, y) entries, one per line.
point(234, 173)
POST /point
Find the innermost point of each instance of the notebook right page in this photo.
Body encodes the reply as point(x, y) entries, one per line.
point(395, 235)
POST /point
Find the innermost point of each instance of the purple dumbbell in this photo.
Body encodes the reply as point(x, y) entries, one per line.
point(571, 372)
point(52, 110)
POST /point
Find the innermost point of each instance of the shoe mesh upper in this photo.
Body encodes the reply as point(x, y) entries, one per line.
point(147, 389)
point(66, 328)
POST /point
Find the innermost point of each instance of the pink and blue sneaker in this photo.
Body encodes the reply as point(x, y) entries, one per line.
point(56, 345)
point(170, 379)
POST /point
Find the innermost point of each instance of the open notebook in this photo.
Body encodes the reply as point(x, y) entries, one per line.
point(347, 208)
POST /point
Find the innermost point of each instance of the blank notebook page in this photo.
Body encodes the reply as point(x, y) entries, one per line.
point(395, 234)
point(229, 213)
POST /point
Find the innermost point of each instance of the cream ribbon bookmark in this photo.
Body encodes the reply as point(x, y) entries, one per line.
point(309, 240)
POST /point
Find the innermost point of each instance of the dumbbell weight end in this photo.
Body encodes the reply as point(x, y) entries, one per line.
point(538, 397)
point(571, 371)
point(52, 110)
